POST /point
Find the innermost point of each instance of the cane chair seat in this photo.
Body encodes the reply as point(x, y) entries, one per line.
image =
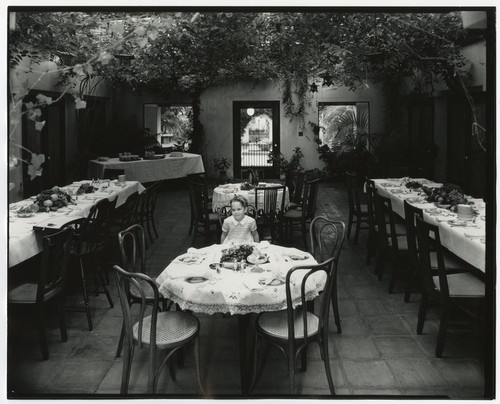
point(26, 293)
point(463, 284)
point(293, 214)
point(275, 324)
point(172, 327)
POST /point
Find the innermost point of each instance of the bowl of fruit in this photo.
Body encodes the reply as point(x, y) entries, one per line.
point(413, 185)
point(240, 253)
point(447, 197)
point(52, 199)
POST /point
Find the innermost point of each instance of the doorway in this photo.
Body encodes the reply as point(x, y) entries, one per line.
point(256, 132)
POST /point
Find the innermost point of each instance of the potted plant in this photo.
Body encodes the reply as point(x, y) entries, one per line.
point(222, 165)
point(287, 167)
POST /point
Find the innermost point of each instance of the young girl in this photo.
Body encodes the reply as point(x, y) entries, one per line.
point(239, 228)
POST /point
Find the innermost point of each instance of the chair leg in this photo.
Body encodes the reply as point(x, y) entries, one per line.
point(86, 296)
point(358, 228)
point(349, 225)
point(326, 360)
point(411, 284)
point(379, 264)
point(149, 230)
point(369, 246)
point(291, 370)
point(443, 323)
point(42, 338)
point(335, 306)
point(153, 224)
point(127, 366)
point(171, 369)
point(197, 363)
point(62, 319)
point(422, 309)
point(304, 235)
point(392, 281)
point(120, 342)
point(103, 284)
point(253, 381)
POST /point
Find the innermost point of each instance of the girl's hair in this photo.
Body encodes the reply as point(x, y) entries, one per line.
point(241, 200)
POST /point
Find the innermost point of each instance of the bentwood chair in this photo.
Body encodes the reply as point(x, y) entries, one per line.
point(206, 222)
point(133, 259)
point(89, 244)
point(356, 208)
point(226, 211)
point(112, 173)
point(51, 284)
point(295, 187)
point(269, 212)
point(391, 245)
point(297, 219)
point(145, 210)
point(457, 289)
point(327, 239)
point(293, 329)
point(166, 331)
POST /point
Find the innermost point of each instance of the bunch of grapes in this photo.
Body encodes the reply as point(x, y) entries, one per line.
point(52, 199)
point(86, 189)
point(448, 194)
point(238, 253)
point(413, 184)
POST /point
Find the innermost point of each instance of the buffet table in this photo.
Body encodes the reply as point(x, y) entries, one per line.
point(224, 193)
point(24, 242)
point(467, 240)
point(150, 170)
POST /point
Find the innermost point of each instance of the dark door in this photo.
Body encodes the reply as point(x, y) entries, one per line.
point(256, 132)
point(50, 141)
point(466, 158)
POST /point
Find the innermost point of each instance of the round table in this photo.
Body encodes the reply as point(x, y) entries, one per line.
point(224, 193)
point(238, 292)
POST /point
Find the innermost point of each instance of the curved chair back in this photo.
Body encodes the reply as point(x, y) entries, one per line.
point(266, 202)
point(226, 211)
point(126, 281)
point(129, 211)
point(132, 249)
point(327, 238)
point(329, 267)
point(112, 173)
point(151, 196)
point(55, 258)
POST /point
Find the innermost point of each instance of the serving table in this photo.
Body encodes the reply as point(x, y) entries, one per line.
point(467, 240)
point(197, 287)
point(25, 242)
point(224, 193)
point(150, 170)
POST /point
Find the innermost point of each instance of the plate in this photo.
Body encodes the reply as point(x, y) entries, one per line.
point(196, 279)
point(190, 259)
point(258, 261)
point(294, 257)
point(274, 282)
point(439, 205)
point(24, 214)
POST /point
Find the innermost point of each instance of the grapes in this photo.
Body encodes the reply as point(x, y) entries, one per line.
point(238, 253)
point(413, 184)
point(448, 194)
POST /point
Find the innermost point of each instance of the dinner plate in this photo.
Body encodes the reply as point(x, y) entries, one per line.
point(274, 282)
point(294, 257)
point(190, 259)
point(257, 261)
point(196, 279)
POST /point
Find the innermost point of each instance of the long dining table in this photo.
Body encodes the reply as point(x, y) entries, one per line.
point(25, 242)
point(466, 239)
point(191, 282)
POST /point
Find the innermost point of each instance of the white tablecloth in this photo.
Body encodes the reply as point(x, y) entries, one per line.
point(25, 243)
point(237, 292)
point(150, 170)
point(223, 194)
point(468, 243)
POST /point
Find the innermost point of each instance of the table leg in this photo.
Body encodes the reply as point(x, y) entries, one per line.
point(246, 354)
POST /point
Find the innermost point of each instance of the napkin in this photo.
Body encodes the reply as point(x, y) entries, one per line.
point(252, 283)
point(174, 271)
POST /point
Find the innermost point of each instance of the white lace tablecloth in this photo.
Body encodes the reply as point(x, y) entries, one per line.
point(150, 170)
point(237, 292)
point(224, 193)
point(25, 243)
point(467, 242)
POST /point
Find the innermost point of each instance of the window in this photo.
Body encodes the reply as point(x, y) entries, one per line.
point(172, 125)
point(338, 119)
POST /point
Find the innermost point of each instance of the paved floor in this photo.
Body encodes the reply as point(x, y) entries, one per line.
point(378, 352)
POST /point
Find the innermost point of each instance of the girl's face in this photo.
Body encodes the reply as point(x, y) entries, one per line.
point(238, 211)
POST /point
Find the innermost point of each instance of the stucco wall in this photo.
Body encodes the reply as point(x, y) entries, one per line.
point(216, 117)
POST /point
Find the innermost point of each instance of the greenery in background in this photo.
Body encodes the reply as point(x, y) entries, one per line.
point(222, 164)
point(286, 166)
point(186, 52)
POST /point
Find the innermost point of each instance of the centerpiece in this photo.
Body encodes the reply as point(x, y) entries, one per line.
point(448, 196)
point(241, 253)
point(413, 185)
point(52, 199)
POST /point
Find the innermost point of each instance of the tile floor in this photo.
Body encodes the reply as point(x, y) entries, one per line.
point(377, 354)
